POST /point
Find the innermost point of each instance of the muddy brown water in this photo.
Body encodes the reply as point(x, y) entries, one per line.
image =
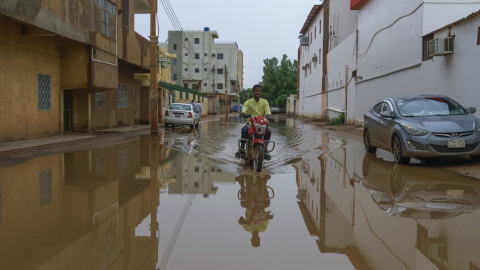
point(181, 200)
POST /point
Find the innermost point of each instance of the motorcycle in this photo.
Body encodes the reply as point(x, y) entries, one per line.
point(256, 147)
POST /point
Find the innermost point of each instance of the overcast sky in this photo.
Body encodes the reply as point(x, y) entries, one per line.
point(262, 28)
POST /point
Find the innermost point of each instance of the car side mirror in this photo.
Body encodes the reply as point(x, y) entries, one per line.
point(386, 114)
point(472, 109)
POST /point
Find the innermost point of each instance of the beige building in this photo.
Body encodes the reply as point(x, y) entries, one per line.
point(69, 66)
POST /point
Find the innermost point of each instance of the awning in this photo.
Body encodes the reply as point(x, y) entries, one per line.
point(181, 89)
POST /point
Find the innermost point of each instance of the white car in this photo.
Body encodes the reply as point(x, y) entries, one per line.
point(182, 114)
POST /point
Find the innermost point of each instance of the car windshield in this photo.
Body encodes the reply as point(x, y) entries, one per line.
point(428, 106)
point(183, 107)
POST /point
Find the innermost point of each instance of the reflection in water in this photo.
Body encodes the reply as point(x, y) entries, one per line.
point(419, 192)
point(255, 196)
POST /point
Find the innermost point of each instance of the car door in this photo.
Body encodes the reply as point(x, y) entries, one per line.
point(374, 123)
point(385, 125)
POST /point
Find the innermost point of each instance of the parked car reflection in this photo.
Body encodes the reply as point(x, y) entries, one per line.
point(419, 192)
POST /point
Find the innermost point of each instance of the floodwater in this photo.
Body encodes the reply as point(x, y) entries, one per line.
point(181, 200)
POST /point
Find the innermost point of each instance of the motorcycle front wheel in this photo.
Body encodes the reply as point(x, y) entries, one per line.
point(258, 157)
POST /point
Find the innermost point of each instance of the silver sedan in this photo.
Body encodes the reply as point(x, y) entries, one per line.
point(422, 126)
point(182, 114)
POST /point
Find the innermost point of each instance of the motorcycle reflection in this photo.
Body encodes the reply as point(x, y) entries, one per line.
point(419, 192)
point(255, 196)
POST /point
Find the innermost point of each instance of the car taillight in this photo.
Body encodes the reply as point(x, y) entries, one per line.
point(190, 115)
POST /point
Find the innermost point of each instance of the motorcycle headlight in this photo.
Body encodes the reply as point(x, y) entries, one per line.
point(260, 128)
point(413, 130)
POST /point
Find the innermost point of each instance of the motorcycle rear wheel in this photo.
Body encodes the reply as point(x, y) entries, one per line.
point(258, 158)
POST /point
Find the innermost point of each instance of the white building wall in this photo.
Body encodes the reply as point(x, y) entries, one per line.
point(390, 53)
point(343, 57)
point(456, 75)
point(310, 78)
point(439, 13)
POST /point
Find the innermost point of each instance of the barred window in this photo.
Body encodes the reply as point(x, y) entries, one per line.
point(45, 183)
point(220, 86)
point(108, 9)
point(122, 161)
point(125, 11)
point(44, 92)
point(98, 99)
point(122, 95)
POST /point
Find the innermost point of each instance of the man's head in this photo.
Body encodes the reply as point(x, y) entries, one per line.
point(257, 91)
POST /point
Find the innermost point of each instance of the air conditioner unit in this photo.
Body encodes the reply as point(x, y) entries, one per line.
point(213, 55)
point(303, 67)
point(304, 41)
point(307, 65)
point(314, 59)
point(440, 46)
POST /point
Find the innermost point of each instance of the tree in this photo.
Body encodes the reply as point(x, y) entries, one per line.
point(279, 80)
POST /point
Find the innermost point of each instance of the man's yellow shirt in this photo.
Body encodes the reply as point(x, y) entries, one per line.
point(256, 108)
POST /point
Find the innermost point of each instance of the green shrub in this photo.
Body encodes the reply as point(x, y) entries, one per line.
point(337, 120)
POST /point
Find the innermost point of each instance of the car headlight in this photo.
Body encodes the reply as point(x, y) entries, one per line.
point(413, 130)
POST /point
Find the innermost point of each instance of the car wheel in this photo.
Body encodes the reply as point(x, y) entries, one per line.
point(396, 181)
point(366, 142)
point(191, 126)
point(167, 124)
point(397, 151)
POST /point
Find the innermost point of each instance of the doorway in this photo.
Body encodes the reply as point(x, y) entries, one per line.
point(68, 111)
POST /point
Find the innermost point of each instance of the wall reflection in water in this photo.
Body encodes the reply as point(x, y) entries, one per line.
point(387, 216)
point(82, 208)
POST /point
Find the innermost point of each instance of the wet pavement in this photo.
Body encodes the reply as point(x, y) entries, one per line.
point(181, 200)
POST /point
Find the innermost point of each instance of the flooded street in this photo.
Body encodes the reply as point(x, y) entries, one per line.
point(181, 200)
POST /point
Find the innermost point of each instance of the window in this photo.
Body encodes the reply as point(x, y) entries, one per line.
point(174, 61)
point(205, 69)
point(186, 54)
point(108, 9)
point(122, 159)
point(44, 92)
point(320, 27)
point(426, 39)
point(205, 54)
point(45, 186)
point(122, 95)
point(205, 84)
point(197, 40)
point(315, 32)
point(478, 36)
point(186, 39)
point(220, 86)
point(197, 56)
point(220, 71)
point(220, 56)
point(311, 37)
point(185, 85)
point(194, 86)
point(98, 99)
point(174, 77)
point(174, 47)
point(186, 69)
point(197, 70)
point(125, 11)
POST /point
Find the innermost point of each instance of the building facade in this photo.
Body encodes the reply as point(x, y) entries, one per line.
point(69, 66)
point(214, 68)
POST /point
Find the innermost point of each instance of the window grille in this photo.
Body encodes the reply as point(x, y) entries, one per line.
point(122, 95)
point(45, 182)
point(44, 92)
point(98, 99)
point(122, 161)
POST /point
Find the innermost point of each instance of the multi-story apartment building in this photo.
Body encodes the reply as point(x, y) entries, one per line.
point(69, 66)
point(215, 68)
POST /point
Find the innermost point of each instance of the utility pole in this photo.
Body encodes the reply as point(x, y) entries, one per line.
point(214, 94)
point(153, 70)
point(226, 92)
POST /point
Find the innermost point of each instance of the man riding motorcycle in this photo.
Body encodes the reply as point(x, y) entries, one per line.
point(255, 106)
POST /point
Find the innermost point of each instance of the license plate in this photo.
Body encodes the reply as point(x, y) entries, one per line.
point(454, 193)
point(178, 115)
point(456, 144)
